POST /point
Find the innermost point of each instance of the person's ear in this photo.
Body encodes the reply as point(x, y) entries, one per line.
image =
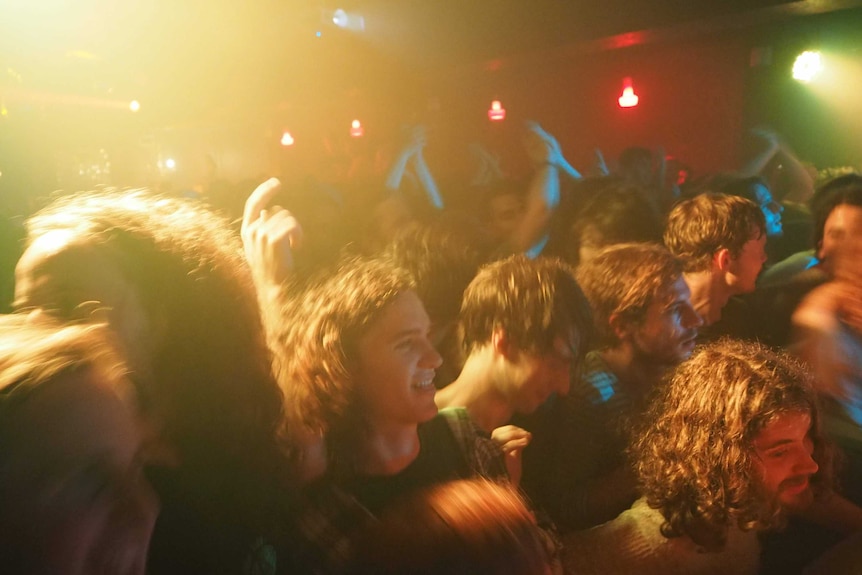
point(501, 343)
point(621, 326)
point(721, 259)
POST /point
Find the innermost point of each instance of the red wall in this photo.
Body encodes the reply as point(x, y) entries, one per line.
point(692, 101)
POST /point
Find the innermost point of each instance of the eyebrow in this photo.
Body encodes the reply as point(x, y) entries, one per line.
point(777, 443)
point(674, 302)
point(408, 332)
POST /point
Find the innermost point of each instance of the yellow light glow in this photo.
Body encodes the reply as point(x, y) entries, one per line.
point(134, 105)
point(807, 66)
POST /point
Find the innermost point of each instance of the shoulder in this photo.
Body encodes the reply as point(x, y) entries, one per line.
point(597, 384)
point(630, 543)
point(483, 456)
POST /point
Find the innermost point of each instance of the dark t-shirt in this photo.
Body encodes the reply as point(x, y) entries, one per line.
point(338, 505)
point(439, 461)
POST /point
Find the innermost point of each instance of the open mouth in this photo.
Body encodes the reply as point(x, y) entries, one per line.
point(425, 384)
point(795, 486)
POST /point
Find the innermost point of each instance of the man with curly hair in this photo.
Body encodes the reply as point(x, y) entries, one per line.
point(729, 445)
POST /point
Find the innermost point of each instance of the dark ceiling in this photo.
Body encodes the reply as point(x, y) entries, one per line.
point(452, 31)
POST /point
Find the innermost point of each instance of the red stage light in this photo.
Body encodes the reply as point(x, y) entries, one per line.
point(497, 112)
point(629, 99)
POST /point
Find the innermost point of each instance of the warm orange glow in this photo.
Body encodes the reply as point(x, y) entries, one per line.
point(134, 105)
point(287, 139)
point(356, 129)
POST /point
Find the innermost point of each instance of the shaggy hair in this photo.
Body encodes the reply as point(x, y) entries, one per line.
point(694, 454)
point(532, 301)
point(321, 338)
point(443, 255)
point(212, 375)
point(699, 227)
point(624, 280)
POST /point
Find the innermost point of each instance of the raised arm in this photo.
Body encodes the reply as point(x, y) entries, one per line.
point(269, 237)
point(756, 165)
point(420, 167)
point(543, 196)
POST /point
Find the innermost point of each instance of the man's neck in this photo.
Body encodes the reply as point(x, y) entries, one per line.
point(636, 374)
point(388, 449)
point(709, 294)
point(477, 390)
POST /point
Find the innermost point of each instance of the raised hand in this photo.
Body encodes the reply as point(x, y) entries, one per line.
point(269, 237)
point(512, 440)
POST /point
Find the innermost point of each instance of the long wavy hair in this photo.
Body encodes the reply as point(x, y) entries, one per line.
point(212, 371)
point(694, 453)
point(319, 343)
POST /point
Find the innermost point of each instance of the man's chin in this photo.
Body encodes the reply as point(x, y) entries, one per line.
point(796, 502)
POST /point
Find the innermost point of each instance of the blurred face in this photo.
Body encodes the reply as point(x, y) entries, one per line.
point(75, 283)
point(590, 244)
point(771, 210)
point(666, 336)
point(844, 222)
point(745, 267)
point(783, 456)
point(537, 376)
point(506, 213)
point(75, 481)
point(397, 362)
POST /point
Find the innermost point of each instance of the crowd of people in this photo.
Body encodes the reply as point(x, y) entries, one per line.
point(610, 374)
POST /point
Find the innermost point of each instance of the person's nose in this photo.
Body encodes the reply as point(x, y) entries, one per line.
point(805, 464)
point(691, 319)
point(431, 359)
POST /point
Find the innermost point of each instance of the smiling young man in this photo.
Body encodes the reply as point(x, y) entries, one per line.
point(729, 446)
point(722, 240)
point(645, 324)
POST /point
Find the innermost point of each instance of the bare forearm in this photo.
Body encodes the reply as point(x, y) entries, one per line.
point(542, 198)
